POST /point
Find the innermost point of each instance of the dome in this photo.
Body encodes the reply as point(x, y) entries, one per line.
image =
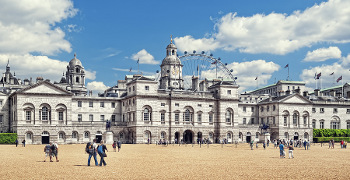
point(75, 62)
point(171, 45)
point(171, 60)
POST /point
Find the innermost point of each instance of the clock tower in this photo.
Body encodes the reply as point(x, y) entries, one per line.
point(171, 69)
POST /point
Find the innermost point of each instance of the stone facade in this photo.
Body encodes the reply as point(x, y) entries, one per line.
point(143, 110)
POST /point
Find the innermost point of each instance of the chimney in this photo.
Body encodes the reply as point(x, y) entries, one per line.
point(297, 91)
point(288, 92)
point(316, 92)
point(332, 93)
point(305, 93)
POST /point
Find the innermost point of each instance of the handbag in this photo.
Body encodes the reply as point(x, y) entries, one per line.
point(104, 155)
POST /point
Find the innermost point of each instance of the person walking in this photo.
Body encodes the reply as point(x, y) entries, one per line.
point(91, 150)
point(119, 144)
point(101, 149)
point(114, 145)
point(291, 151)
point(282, 154)
point(47, 150)
point(24, 143)
point(16, 142)
point(54, 151)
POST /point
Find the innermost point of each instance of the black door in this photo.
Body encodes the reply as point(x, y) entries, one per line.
point(248, 139)
point(296, 137)
point(98, 138)
point(177, 135)
point(45, 139)
point(188, 137)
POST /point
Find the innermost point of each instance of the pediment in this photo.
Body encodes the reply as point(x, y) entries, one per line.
point(45, 88)
point(296, 99)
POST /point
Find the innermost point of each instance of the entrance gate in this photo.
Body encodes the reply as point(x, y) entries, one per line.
point(188, 137)
point(177, 136)
point(248, 138)
point(45, 138)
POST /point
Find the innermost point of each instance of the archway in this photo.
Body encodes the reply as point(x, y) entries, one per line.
point(248, 137)
point(98, 136)
point(188, 136)
point(296, 136)
point(177, 136)
point(45, 137)
point(199, 137)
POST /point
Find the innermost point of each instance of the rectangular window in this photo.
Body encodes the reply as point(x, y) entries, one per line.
point(244, 109)
point(285, 120)
point(334, 125)
point(314, 124)
point(210, 105)
point(199, 105)
point(28, 115)
point(244, 121)
point(267, 120)
point(133, 88)
point(321, 110)
point(0, 103)
point(252, 120)
point(79, 104)
point(252, 109)
point(91, 117)
point(60, 116)
point(162, 104)
point(102, 104)
point(176, 104)
point(199, 118)
point(335, 110)
point(162, 118)
point(273, 120)
point(347, 111)
point(313, 110)
point(113, 105)
point(348, 125)
point(228, 91)
point(321, 125)
point(210, 118)
point(305, 120)
point(262, 121)
point(177, 117)
point(102, 117)
point(91, 104)
point(113, 118)
point(147, 88)
point(80, 117)
point(1, 117)
point(129, 89)
point(267, 108)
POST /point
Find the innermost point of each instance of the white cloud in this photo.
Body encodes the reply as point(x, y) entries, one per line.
point(96, 87)
point(144, 57)
point(277, 33)
point(73, 28)
point(29, 26)
point(26, 66)
point(340, 68)
point(323, 54)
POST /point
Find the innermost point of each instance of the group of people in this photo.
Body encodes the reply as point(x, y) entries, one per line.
point(23, 143)
point(51, 150)
point(93, 149)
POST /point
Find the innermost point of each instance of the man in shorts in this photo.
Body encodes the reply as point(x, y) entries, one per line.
point(54, 151)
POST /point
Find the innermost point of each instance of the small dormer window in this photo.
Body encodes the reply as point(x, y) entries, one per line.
point(77, 70)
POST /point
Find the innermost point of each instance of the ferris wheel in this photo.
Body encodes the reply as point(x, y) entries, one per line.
point(204, 66)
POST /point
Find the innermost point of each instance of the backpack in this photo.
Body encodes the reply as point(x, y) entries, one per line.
point(100, 149)
point(89, 148)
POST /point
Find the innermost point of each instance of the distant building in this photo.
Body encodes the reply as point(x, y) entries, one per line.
point(142, 109)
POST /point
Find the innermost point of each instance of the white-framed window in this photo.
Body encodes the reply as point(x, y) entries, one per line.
point(335, 110)
point(102, 117)
point(348, 125)
point(86, 134)
point(147, 88)
point(80, 104)
point(91, 117)
point(28, 115)
point(285, 120)
point(177, 117)
point(273, 120)
point(347, 111)
point(162, 104)
point(60, 135)
point(187, 116)
point(121, 135)
point(314, 124)
point(60, 116)
point(211, 118)
point(162, 118)
point(113, 105)
point(228, 91)
point(273, 108)
point(113, 118)
point(335, 125)
point(313, 110)
point(252, 109)
point(257, 135)
point(321, 124)
point(74, 135)
point(1, 118)
point(80, 118)
point(268, 108)
point(199, 118)
point(321, 110)
point(29, 136)
point(244, 121)
point(228, 116)
point(295, 118)
point(244, 109)
point(305, 120)
point(44, 113)
point(146, 114)
point(162, 135)
point(102, 104)
point(252, 120)
point(229, 135)
point(91, 104)
point(177, 104)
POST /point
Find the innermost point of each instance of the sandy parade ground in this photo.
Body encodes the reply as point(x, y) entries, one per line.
point(177, 162)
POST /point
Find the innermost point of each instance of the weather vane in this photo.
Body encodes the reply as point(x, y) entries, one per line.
point(171, 39)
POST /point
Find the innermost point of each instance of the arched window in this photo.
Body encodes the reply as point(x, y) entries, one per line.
point(44, 113)
point(146, 114)
point(121, 135)
point(77, 70)
point(229, 136)
point(77, 79)
point(86, 134)
point(61, 135)
point(295, 118)
point(228, 116)
point(74, 135)
point(162, 135)
point(187, 115)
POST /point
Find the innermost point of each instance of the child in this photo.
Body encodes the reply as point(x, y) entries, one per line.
point(114, 145)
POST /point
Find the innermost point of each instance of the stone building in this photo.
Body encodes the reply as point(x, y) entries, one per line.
point(142, 109)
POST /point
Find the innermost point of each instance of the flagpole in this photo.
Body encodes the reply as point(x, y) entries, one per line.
point(342, 87)
point(288, 73)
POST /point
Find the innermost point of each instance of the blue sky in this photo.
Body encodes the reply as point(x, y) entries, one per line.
point(255, 38)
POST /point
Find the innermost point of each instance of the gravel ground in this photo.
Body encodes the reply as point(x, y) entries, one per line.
point(176, 162)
